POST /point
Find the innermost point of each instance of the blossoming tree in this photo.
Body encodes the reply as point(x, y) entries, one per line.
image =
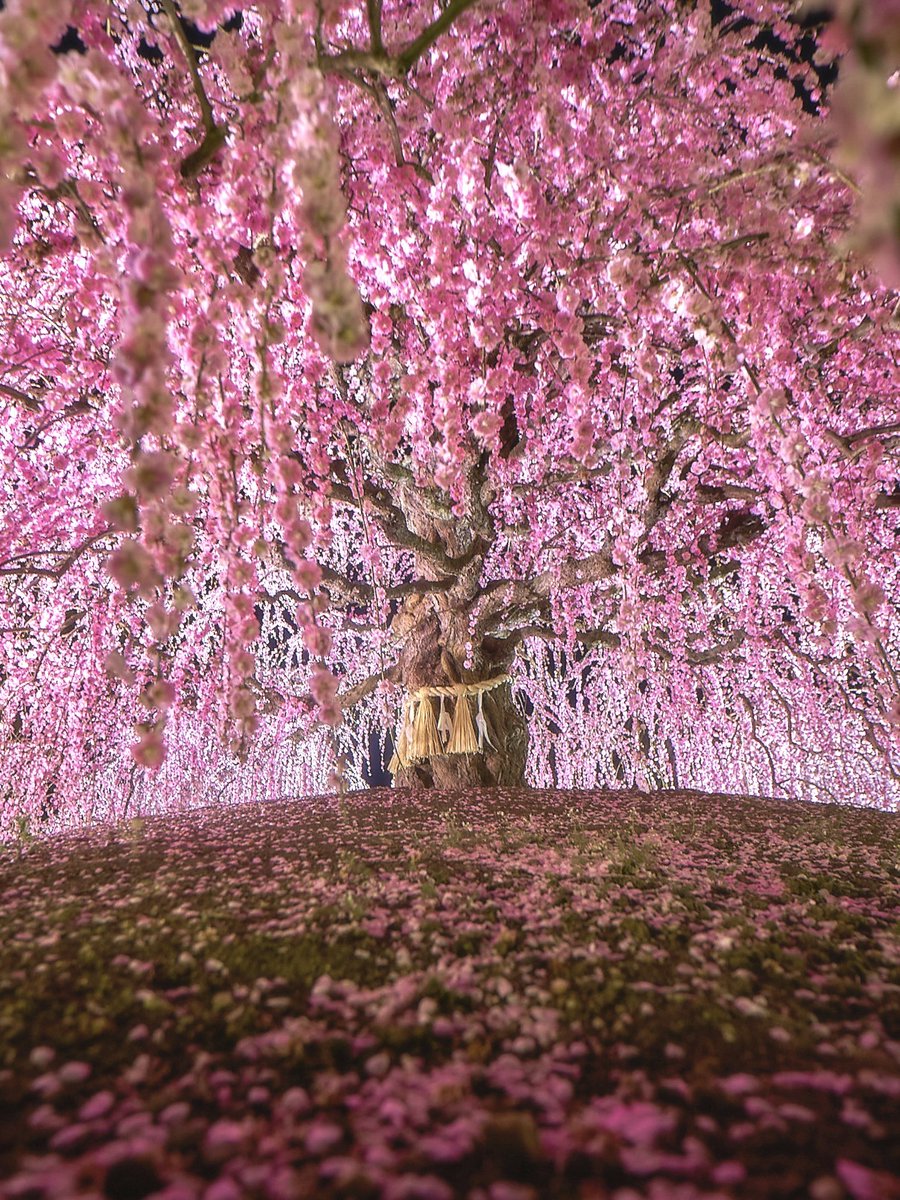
point(353, 349)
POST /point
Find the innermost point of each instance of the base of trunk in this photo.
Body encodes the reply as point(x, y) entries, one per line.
point(504, 765)
point(458, 771)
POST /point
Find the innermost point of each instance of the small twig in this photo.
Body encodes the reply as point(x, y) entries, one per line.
point(490, 161)
point(387, 111)
point(738, 176)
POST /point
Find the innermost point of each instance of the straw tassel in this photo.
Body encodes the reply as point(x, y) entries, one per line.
point(425, 740)
point(462, 735)
point(420, 736)
point(401, 756)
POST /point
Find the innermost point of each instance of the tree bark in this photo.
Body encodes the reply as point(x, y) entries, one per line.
point(432, 656)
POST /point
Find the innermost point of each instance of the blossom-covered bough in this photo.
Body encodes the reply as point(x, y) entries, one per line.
point(353, 349)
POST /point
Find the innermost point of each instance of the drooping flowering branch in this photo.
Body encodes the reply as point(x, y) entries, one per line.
point(361, 347)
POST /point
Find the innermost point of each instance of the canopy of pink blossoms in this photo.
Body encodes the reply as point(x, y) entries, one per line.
point(595, 277)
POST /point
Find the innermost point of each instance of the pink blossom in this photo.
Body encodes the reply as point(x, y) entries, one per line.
point(322, 1136)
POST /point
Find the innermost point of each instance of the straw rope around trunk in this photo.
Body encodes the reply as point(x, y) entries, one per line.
point(423, 734)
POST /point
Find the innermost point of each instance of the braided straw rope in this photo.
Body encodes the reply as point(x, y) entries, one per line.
point(421, 737)
point(460, 689)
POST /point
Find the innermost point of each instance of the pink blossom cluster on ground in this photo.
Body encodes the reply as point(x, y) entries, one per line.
point(499, 996)
point(548, 322)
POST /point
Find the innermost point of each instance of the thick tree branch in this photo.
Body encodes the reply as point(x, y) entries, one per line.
point(373, 8)
point(430, 499)
point(661, 471)
point(856, 334)
point(56, 573)
point(380, 497)
point(67, 190)
point(356, 591)
point(347, 698)
point(700, 658)
point(352, 695)
point(387, 111)
point(564, 479)
point(851, 445)
point(413, 51)
point(403, 539)
point(75, 409)
point(365, 591)
point(714, 654)
point(213, 135)
point(737, 528)
point(575, 572)
point(17, 394)
point(378, 62)
point(719, 492)
point(585, 637)
point(502, 596)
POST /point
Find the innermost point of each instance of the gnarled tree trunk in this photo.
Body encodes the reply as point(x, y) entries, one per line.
point(428, 660)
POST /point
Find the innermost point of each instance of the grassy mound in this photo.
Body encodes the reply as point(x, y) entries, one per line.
point(499, 996)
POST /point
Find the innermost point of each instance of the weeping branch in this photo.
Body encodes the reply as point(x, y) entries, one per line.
point(776, 785)
point(828, 681)
point(807, 750)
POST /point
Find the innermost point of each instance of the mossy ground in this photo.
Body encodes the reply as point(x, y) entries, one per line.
point(581, 994)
